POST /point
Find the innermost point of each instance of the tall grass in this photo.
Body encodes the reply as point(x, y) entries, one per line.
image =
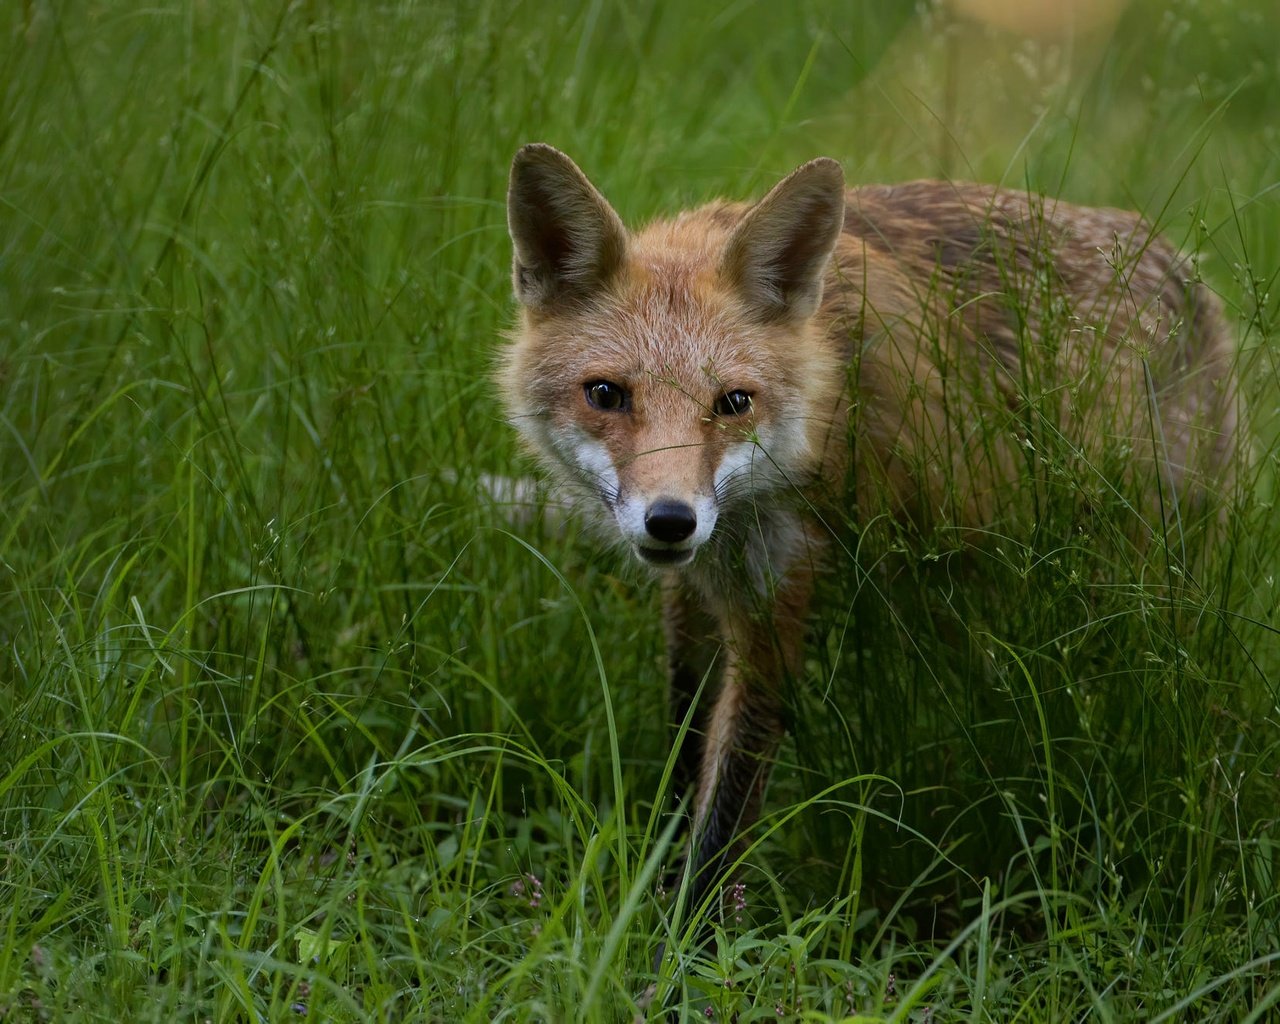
point(294, 720)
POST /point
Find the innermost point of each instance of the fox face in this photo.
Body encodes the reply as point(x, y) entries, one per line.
point(679, 374)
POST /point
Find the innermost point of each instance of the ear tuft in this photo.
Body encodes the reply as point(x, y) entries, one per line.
point(777, 257)
point(568, 240)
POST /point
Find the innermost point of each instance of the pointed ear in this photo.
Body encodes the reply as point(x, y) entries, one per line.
point(568, 241)
point(778, 255)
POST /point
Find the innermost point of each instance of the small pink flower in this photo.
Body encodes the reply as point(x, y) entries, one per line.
point(738, 894)
point(535, 897)
point(528, 885)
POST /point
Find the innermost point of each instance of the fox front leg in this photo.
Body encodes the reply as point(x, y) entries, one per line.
point(744, 728)
point(693, 671)
point(743, 734)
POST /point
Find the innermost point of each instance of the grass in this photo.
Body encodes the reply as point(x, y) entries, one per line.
point(295, 723)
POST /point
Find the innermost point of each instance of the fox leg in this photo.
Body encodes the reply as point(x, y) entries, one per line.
point(742, 736)
point(693, 643)
point(693, 668)
point(743, 730)
point(731, 763)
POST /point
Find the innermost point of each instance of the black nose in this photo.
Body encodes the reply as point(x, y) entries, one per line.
point(670, 521)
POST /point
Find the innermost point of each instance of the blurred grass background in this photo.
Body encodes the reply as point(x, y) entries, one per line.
point(290, 720)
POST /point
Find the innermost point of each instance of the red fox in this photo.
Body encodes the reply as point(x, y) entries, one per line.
point(719, 387)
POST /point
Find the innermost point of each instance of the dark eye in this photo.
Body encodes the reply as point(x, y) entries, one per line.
point(606, 395)
point(733, 403)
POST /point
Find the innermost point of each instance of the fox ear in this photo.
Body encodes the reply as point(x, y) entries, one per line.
point(777, 256)
point(568, 241)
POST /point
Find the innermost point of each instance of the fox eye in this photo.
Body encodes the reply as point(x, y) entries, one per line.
point(733, 403)
point(606, 395)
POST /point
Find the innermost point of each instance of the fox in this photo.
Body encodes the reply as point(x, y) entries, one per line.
point(718, 388)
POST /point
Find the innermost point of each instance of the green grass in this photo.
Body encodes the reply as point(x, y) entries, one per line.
point(290, 719)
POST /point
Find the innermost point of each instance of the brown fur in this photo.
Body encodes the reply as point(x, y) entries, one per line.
point(919, 335)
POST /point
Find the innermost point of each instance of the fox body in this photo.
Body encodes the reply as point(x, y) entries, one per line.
point(717, 388)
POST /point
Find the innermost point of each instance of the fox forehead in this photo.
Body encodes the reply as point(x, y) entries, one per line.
point(663, 321)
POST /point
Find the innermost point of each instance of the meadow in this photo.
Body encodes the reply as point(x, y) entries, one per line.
point(297, 721)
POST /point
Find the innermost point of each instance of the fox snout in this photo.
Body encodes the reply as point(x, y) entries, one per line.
point(666, 531)
point(672, 524)
point(656, 486)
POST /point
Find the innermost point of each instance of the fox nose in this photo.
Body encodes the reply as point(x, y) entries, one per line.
point(670, 521)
